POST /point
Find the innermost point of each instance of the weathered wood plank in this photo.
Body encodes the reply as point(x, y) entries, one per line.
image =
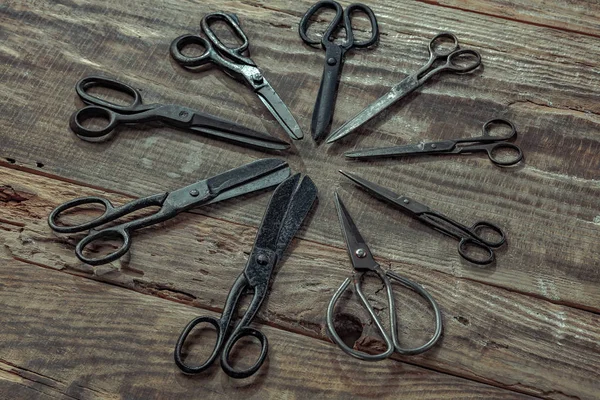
point(86, 340)
point(546, 85)
point(491, 334)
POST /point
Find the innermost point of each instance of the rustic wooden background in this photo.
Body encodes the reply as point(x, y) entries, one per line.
point(525, 327)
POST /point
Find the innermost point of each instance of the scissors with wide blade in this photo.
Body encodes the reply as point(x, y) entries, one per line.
point(289, 206)
point(485, 143)
point(170, 114)
point(363, 262)
point(334, 56)
point(469, 238)
point(233, 62)
point(454, 59)
point(249, 178)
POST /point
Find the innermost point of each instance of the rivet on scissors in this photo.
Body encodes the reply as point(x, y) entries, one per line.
point(194, 192)
point(331, 61)
point(406, 201)
point(361, 253)
point(257, 78)
point(262, 259)
point(433, 145)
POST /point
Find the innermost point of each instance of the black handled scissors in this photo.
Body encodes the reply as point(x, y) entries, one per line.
point(289, 206)
point(469, 238)
point(233, 62)
point(170, 114)
point(249, 178)
point(363, 262)
point(334, 56)
point(486, 143)
point(454, 59)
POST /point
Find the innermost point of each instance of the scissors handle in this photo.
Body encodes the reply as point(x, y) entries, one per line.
point(476, 240)
point(234, 53)
point(179, 43)
point(457, 60)
point(84, 85)
point(179, 357)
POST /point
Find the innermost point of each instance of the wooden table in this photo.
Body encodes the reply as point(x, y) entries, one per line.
point(525, 327)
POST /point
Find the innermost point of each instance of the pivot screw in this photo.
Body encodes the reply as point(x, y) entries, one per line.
point(183, 114)
point(433, 145)
point(406, 201)
point(262, 259)
point(194, 193)
point(361, 253)
point(257, 78)
point(331, 61)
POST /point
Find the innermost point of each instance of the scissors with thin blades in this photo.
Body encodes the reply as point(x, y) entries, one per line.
point(454, 59)
point(249, 178)
point(485, 143)
point(233, 62)
point(469, 238)
point(363, 263)
point(169, 114)
point(289, 206)
point(334, 56)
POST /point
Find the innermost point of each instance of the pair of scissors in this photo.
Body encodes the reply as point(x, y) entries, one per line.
point(170, 114)
point(334, 56)
point(249, 178)
point(469, 238)
point(233, 62)
point(363, 263)
point(289, 206)
point(484, 143)
point(454, 59)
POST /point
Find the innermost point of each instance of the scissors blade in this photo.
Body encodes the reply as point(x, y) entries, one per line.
point(386, 151)
point(396, 93)
point(277, 107)
point(359, 252)
point(236, 133)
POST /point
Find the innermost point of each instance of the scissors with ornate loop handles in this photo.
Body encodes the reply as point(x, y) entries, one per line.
point(169, 114)
point(484, 143)
point(455, 60)
point(363, 263)
point(289, 206)
point(468, 237)
point(233, 62)
point(334, 56)
point(249, 178)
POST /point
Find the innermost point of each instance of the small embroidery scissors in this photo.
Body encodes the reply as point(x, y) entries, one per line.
point(289, 206)
point(467, 237)
point(170, 114)
point(455, 60)
point(486, 143)
point(233, 62)
point(249, 178)
point(334, 56)
point(363, 263)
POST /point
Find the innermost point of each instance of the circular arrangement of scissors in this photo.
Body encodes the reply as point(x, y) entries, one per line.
point(334, 55)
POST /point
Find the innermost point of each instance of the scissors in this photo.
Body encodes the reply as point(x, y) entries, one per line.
point(467, 237)
point(233, 62)
point(334, 56)
point(455, 60)
point(170, 114)
point(363, 263)
point(486, 142)
point(249, 178)
point(289, 206)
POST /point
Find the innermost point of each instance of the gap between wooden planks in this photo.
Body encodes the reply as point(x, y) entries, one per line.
point(491, 335)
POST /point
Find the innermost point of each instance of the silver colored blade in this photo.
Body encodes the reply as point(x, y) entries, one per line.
point(279, 110)
point(396, 93)
point(386, 151)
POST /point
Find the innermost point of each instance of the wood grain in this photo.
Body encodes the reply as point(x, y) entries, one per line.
point(548, 207)
point(72, 338)
point(491, 335)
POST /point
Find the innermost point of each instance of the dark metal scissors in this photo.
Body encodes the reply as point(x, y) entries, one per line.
point(289, 206)
point(363, 262)
point(249, 178)
point(334, 56)
point(486, 143)
point(468, 237)
point(454, 59)
point(170, 114)
point(233, 62)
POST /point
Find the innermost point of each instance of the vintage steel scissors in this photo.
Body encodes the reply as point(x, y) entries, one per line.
point(289, 206)
point(249, 178)
point(469, 238)
point(363, 262)
point(454, 59)
point(170, 114)
point(334, 56)
point(233, 62)
point(486, 143)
